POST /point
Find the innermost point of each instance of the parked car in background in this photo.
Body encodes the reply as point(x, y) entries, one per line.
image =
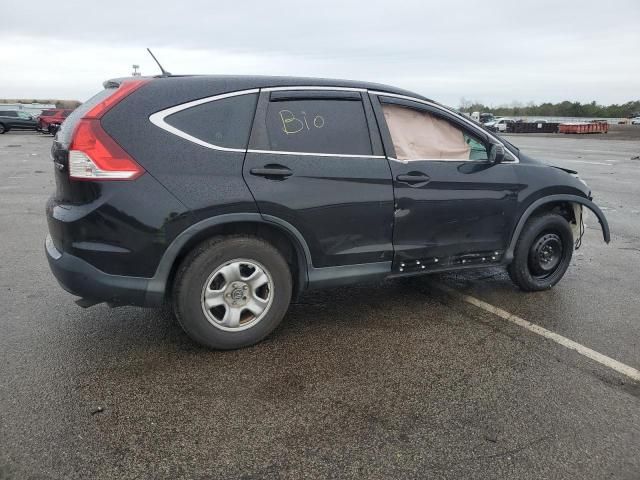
point(486, 118)
point(635, 121)
point(53, 116)
point(16, 120)
point(229, 196)
point(500, 124)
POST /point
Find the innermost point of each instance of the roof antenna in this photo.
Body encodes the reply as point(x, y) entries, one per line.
point(164, 72)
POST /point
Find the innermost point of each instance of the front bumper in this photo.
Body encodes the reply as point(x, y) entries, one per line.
point(80, 278)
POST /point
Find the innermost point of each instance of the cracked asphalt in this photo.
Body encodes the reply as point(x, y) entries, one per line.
point(391, 380)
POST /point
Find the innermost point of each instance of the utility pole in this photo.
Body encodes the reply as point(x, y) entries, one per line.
point(136, 73)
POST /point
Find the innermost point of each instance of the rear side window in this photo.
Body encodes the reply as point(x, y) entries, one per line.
point(9, 113)
point(318, 126)
point(47, 113)
point(224, 123)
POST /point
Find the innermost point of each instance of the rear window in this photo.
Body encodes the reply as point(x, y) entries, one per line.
point(318, 126)
point(224, 123)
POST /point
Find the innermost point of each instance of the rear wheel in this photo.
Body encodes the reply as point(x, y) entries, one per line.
point(231, 292)
point(543, 253)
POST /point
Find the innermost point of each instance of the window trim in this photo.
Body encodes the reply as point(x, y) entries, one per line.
point(157, 119)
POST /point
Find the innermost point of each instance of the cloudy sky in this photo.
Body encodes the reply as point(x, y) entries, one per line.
point(494, 52)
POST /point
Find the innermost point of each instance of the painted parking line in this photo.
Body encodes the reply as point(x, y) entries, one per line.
point(588, 162)
point(532, 327)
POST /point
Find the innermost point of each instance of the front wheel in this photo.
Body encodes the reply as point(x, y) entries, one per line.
point(2, 128)
point(231, 292)
point(543, 253)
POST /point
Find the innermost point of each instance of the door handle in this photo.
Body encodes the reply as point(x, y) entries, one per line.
point(271, 171)
point(413, 178)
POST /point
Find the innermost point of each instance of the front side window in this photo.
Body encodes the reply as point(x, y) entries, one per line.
point(337, 127)
point(420, 135)
point(225, 122)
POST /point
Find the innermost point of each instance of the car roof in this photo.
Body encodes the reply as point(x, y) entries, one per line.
point(241, 82)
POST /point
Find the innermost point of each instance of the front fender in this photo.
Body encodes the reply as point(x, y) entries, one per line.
point(553, 199)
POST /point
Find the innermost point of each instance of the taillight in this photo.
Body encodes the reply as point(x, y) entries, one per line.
point(93, 154)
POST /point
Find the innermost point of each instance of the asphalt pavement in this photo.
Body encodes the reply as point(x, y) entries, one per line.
point(390, 380)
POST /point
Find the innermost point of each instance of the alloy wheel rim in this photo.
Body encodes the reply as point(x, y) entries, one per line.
point(237, 295)
point(545, 255)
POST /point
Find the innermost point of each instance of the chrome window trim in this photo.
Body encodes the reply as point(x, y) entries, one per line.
point(437, 160)
point(461, 117)
point(311, 87)
point(312, 154)
point(158, 119)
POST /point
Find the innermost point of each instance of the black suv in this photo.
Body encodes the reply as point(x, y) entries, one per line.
point(16, 120)
point(229, 195)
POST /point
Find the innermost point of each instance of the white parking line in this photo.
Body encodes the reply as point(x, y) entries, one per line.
point(532, 327)
point(588, 162)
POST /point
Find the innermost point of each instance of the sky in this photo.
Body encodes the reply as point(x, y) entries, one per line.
point(489, 51)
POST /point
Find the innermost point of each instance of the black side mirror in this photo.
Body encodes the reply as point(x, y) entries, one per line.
point(497, 153)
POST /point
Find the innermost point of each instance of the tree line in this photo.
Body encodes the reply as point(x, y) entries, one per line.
point(50, 101)
point(561, 109)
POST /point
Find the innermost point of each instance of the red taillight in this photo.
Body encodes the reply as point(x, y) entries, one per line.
point(123, 90)
point(93, 154)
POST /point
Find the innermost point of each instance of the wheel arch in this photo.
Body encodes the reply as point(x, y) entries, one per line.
point(550, 202)
point(280, 233)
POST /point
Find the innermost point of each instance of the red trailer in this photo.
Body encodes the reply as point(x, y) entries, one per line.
point(583, 127)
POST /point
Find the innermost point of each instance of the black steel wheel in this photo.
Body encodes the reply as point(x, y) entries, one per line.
point(543, 253)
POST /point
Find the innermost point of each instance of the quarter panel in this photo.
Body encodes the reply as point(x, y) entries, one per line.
point(124, 230)
point(209, 182)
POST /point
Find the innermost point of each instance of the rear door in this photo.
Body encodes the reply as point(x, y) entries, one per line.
point(315, 160)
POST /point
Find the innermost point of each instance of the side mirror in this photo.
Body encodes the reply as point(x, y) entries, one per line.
point(497, 153)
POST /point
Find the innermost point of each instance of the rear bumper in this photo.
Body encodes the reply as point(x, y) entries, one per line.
point(80, 278)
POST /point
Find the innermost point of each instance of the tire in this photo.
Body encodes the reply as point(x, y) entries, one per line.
point(542, 254)
point(225, 270)
point(3, 129)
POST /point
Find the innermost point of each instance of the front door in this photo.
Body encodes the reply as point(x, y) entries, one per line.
point(315, 162)
point(453, 207)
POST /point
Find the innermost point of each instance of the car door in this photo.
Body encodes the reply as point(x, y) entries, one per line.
point(24, 120)
point(315, 161)
point(453, 207)
point(11, 119)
